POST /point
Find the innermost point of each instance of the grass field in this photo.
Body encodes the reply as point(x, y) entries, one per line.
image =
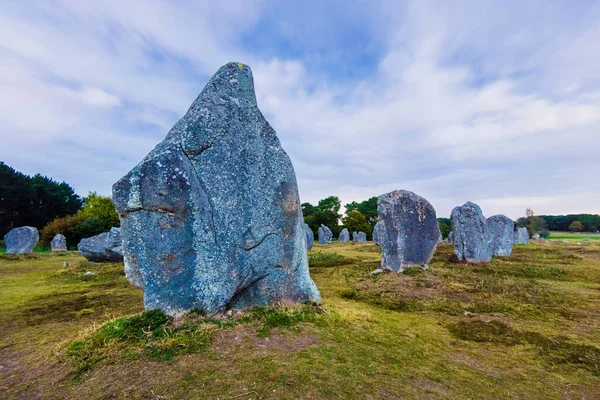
point(526, 326)
point(574, 236)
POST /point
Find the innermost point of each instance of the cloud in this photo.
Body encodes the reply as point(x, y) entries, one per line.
point(492, 103)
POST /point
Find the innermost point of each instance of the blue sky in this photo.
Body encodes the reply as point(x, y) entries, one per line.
point(492, 102)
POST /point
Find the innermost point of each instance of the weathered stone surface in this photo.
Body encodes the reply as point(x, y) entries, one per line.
point(355, 237)
point(471, 243)
point(105, 247)
point(500, 230)
point(408, 230)
point(58, 243)
point(21, 240)
point(521, 236)
point(325, 235)
point(211, 218)
point(344, 236)
point(362, 237)
point(451, 237)
point(376, 233)
point(310, 237)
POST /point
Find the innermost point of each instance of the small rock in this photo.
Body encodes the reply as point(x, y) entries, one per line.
point(65, 264)
point(89, 273)
point(377, 271)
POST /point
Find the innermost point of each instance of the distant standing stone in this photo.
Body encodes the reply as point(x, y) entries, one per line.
point(376, 233)
point(59, 243)
point(344, 236)
point(355, 237)
point(325, 235)
point(536, 236)
point(451, 237)
point(362, 237)
point(521, 236)
point(500, 230)
point(310, 237)
point(21, 240)
point(470, 240)
point(408, 230)
point(105, 247)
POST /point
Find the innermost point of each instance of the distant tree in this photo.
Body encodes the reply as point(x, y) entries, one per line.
point(576, 226)
point(355, 221)
point(368, 208)
point(66, 226)
point(102, 209)
point(445, 226)
point(529, 213)
point(90, 227)
point(326, 212)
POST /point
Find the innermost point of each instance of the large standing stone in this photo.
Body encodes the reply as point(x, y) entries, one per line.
point(310, 237)
point(408, 232)
point(105, 247)
point(344, 236)
point(58, 243)
point(21, 240)
point(325, 235)
point(500, 230)
point(376, 233)
point(362, 237)
point(521, 236)
point(211, 218)
point(470, 240)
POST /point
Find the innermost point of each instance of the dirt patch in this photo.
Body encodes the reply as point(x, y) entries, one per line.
point(472, 363)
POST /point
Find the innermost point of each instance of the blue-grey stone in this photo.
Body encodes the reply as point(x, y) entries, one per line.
point(105, 247)
point(21, 240)
point(376, 233)
point(58, 243)
point(451, 237)
point(362, 237)
point(521, 236)
point(310, 237)
point(211, 218)
point(325, 235)
point(471, 242)
point(500, 230)
point(355, 237)
point(408, 230)
point(344, 236)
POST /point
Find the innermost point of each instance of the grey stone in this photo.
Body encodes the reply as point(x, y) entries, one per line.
point(376, 233)
point(21, 240)
point(58, 243)
point(89, 273)
point(499, 231)
point(325, 235)
point(536, 236)
point(362, 237)
point(471, 243)
point(211, 218)
point(355, 237)
point(105, 247)
point(377, 271)
point(65, 264)
point(344, 236)
point(409, 232)
point(521, 236)
point(451, 237)
point(310, 237)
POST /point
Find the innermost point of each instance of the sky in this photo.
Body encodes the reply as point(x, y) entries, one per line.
point(497, 103)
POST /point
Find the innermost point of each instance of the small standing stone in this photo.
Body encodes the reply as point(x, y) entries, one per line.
point(21, 240)
point(500, 232)
point(325, 235)
point(536, 236)
point(310, 237)
point(521, 236)
point(59, 243)
point(362, 237)
point(105, 247)
point(470, 239)
point(355, 237)
point(344, 236)
point(376, 233)
point(451, 237)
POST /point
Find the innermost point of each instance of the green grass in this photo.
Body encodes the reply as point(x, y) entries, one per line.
point(525, 326)
point(574, 236)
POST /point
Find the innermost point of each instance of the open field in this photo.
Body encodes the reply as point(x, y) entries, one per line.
point(526, 326)
point(574, 236)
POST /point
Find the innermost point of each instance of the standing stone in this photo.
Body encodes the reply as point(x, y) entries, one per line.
point(409, 232)
point(521, 236)
point(536, 236)
point(211, 218)
point(376, 233)
point(355, 237)
point(325, 235)
point(470, 240)
point(21, 240)
point(105, 247)
point(310, 237)
point(344, 236)
point(362, 237)
point(500, 230)
point(451, 237)
point(59, 243)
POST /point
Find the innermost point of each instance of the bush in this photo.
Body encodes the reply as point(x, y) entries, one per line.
point(66, 226)
point(90, 227)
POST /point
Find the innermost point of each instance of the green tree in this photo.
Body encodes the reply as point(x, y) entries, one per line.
point(576, 226)
point(445, 226)
point(102, 209)
point(368, 208)
point(326, 212)
point(355, 221)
